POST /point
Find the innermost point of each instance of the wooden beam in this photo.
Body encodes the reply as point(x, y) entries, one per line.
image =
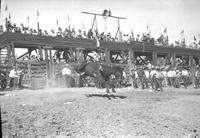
point(102, 15)
point(131, 56)
point(23, 55)
point(9, 53)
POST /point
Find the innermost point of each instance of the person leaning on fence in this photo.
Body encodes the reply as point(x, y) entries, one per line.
point(14, 76)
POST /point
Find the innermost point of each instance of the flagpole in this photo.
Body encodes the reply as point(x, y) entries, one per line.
point(38, 24)
point(6, 19)
point(57, 22)
point(28, 21)
point(0, 10)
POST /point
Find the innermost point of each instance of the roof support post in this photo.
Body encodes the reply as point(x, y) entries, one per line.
point(51, 67)
point(173, 59)
point(154, 59)
point(40, 53)
point(47, 66)
point(131, 63)
point(13, 53)
point(131, 57)
point(107, 55)
point(0, 57)
point(191, 65)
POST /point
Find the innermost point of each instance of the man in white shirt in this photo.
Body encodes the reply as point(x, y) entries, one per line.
point(186, 78)
point(14, 76)
point(66, 73)
point(171, 74)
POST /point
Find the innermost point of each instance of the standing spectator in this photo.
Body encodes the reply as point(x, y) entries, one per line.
point(197, 78)
point(164, 82)
point(185, 75)
point(14, 77)
point(66, 73)
point(157, 81)
point(141, 76)
point(170, 75)
point(152, 75)
point(134, 77)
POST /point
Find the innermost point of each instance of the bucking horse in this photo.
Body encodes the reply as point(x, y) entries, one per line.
point(105, 76)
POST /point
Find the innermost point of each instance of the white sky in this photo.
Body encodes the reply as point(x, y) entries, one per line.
point(158, 14)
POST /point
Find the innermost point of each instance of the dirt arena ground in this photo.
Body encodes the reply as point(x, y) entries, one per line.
point(90, 113)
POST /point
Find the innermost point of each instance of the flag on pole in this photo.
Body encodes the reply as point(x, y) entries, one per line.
point(57, 22)
point(165, 31)
point(38, 24)
point(38, 15)
point(132, 34)
point(9, 17)
point(199, 36)
point(195, 38)
point(6, 8)
point(28, 21)
point(148, 31)
point(83, 26)
point(182, 32)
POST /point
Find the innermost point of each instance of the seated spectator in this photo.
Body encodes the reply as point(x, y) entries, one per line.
point(95, 34)
point(84, 34)
point(125, 38)
point(102, 36)
point(9, 26)
point(24, 29)
point(59, 33)
point(46, 33)
point(66, 33)
point(90, 34)
point(79, 35)
point(161, 39)
point(73, 33)
point(40, 32)
point(108, 37)
point(138, 38)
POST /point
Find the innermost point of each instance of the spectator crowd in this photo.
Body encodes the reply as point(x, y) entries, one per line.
point(70, 32)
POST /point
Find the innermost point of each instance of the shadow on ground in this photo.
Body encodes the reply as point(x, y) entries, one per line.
point(109, 96)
